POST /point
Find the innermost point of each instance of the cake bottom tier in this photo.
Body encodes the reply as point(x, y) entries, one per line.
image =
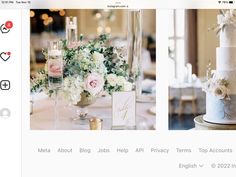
point(220, 111)
point(200, 124)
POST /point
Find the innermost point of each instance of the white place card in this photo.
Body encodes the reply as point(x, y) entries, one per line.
point(123, 110)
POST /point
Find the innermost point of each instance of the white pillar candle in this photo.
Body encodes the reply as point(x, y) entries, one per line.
point(71, 25)
point(54, 52)
point(71, 29)
point(189, 72)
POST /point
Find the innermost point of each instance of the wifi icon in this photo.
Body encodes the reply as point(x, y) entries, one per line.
point(219, 2)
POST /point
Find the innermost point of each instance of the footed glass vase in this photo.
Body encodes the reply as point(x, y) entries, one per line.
point(81, 115)
point(134, 37)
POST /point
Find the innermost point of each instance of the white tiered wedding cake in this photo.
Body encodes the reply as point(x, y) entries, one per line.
point(221, 87)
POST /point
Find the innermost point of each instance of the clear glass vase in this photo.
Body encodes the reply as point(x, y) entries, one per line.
point(134, 38)
point(55, 72)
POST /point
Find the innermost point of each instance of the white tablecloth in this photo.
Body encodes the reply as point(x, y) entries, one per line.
point(43, 115)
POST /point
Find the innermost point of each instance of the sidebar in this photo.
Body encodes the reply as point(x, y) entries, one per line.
point(10, 93)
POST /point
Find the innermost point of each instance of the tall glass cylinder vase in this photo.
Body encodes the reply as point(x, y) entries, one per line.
point(71, 30)
point(55, 72)
point(134, 37)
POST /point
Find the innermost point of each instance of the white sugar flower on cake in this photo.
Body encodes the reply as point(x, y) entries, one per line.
point(218, 87)
point(206, 87)
point(227, 17)
point(220, 91)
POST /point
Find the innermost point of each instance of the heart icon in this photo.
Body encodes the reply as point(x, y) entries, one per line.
point(5, 56)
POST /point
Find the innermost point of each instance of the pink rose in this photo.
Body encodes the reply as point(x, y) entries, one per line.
point(55, 69)
point(94, 83)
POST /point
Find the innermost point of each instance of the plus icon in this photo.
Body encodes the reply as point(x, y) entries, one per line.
point(5, 85)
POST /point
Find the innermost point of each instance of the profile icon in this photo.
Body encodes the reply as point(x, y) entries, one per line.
point(5, 113)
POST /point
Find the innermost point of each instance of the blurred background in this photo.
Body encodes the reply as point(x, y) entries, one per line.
point(192, 53)
point(50, 25)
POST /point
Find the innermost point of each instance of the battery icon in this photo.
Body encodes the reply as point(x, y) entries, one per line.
point(231, 2)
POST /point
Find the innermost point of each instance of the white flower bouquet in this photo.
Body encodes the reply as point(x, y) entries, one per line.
point(89, 68)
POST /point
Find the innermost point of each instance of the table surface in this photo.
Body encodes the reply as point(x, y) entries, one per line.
point(43, 115)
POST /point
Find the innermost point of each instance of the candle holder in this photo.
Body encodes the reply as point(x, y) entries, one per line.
point(71, 30)
point(95, 124)
point(189, 73)
point(55, 72)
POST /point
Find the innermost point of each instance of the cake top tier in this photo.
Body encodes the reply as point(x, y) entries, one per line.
point(226, 17)
point(227, 27)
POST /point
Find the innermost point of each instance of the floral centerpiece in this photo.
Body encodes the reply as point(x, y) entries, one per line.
point(88, 69)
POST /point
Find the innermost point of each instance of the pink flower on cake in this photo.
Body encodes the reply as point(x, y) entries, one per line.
point(94, 83)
